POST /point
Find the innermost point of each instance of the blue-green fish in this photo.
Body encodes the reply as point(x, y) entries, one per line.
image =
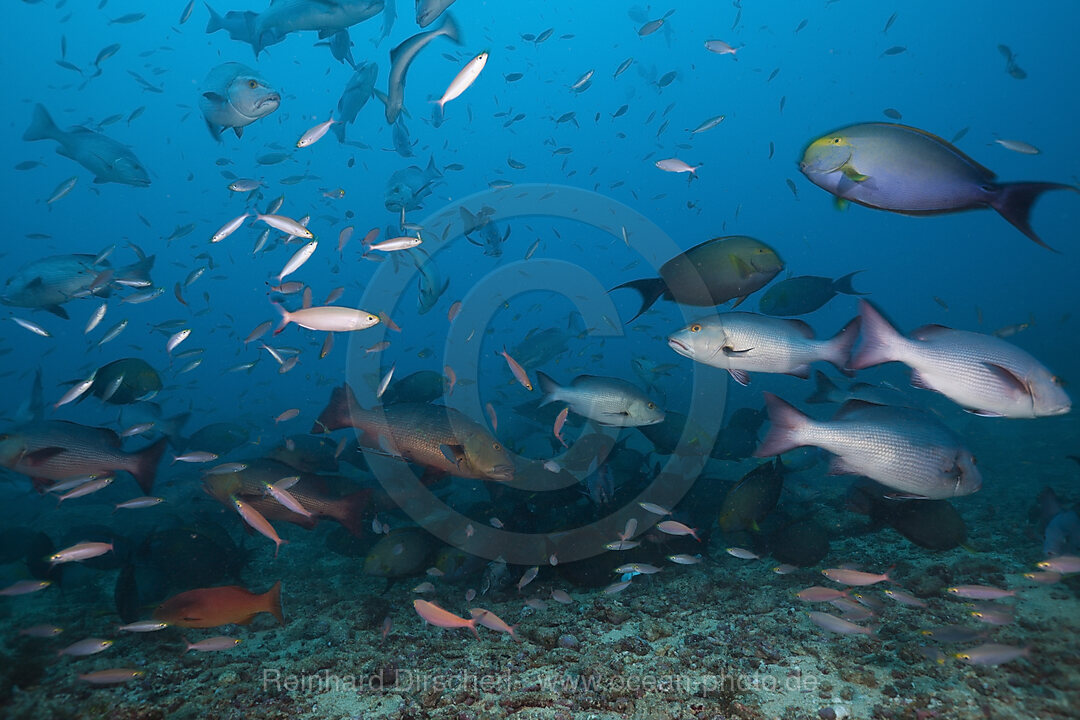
point(907, 170)
point(804, 294)
point(234, 96)
point(109, 160)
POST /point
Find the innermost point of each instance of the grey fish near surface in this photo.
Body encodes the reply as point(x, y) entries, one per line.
point(433, 436)
point(401, 58)
point(712, 273)
point(741, 342)
point(909, 171)
point(902, 449)
point(804, 294)
point(234, 96)
point(982, 373)
point(608, 401)
point(357, 92)
point(107, 159)
point(428, 11)
point(58, 450)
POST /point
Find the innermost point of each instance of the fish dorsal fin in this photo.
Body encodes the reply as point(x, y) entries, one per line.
point(853, 406)
point(989, 174)
point(928, 332)
point(805, 330)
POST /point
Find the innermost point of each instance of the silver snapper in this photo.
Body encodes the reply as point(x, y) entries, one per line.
point(50, 282)
point(903, 449)
point(353, 98)
point(107, 159)
point(608, 401)
point(234, 96)
point(741, 342)
point(431, 285)
point(982, 373)
point(401, 58)
point(409, 187)
point(428, 11)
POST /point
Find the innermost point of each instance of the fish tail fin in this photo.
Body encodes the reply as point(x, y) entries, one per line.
point(786, 423)
point(843, 285)
point(451, 30)
point(825, 390)
point(838, 348)
point(437, 114)
point(273, 602)
point(216, 22)
point(1014, 201)
point(350, 511)
point(284, 318)
point(42, 126)
point(650, 290)
point(338, 411)
point(880, 339)
point(137, 273)
point(146, 464)
point(547, 386)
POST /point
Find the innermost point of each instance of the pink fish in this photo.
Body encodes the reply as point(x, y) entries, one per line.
point(825, 621)
point(673, 527)
point(493, 622)
point(257, 522)
point(854, 577)
point(980, 592)
point(212, 644)
point(435, 615)
point(560, 420)
point(820, 594)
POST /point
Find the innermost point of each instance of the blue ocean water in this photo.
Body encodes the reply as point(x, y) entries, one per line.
point(586, 209)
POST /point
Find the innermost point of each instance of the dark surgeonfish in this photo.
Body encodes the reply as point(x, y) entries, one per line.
point(432, 436)
point(50, 282)
point(107, 159)
point(804, 294)
point(125, 381)
point(234, 96)
point(909, 171)
point(712, 273)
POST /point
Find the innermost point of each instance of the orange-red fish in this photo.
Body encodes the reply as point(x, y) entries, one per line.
point(215, 606)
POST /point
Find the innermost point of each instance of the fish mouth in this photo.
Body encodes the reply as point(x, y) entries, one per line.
point(273, 99)
point(504, 473)
point(679, 347)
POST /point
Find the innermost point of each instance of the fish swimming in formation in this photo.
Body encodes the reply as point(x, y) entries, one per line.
point(905, 450)
point(982, 373)
point(741, 342)
point(909, 171)
point(234, 96)
point(433, 436)
point(712, 273)
point(107, 159)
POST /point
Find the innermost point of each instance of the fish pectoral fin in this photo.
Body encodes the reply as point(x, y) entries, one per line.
point(918, 381)
point(56, 310)
point(732, 352)
point(1008, 377)
point(983, 413)
point(215, 97)
point(852, 174)
point(453, 453)
point(841, 204)
point(41, 456)
point(239, 131)
point(904, 496)
point(740, 376)
point(744, 268)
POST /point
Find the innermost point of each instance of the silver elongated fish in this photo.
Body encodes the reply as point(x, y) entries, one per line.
point(608, 401)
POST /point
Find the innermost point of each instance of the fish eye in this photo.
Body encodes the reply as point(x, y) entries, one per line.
point(837, 141)
point(651, 406)
point(496, 446)
point(974, 460)
point(253, 84)
point(695, 328)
